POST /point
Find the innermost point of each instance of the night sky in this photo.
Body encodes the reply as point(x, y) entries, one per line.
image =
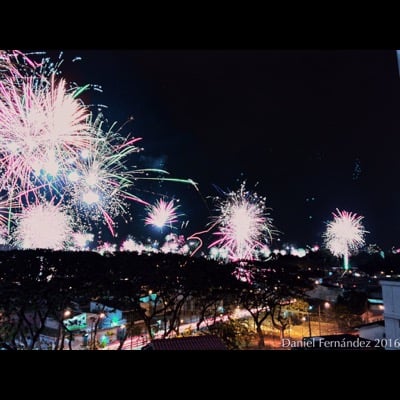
point(311, 130)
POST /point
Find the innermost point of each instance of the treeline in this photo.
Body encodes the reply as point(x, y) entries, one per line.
point(36, 285)
point(39, 284)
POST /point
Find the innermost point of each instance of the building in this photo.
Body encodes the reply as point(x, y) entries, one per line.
point(110, 315)
point(374, 310)
point(372, 331)
point(391, 313)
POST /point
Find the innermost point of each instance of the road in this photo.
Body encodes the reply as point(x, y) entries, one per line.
point(137, 342)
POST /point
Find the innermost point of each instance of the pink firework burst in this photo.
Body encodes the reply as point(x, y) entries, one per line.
point(42, 130)
point(243, 224)
point(161, 213)
point(52, 146)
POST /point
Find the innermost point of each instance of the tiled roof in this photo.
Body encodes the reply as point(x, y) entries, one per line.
point(204, 342)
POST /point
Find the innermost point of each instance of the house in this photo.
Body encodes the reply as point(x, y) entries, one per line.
point(111, 315)
point(372, 331)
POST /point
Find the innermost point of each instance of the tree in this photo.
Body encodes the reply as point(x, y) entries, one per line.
point(270, 286)
point(280, 318)
point(236, 334)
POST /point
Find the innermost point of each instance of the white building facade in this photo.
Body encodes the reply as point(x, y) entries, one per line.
point(391, 302)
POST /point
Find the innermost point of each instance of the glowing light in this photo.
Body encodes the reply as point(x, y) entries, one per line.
point(92, 178)
point(73, 176)
point(106, 248)
point(265, 251)
point(217, 253)
point(84, 154)
point(131, 245)
point(82, 240)
point(298, 252)
point(174, 244)
point(90, 197)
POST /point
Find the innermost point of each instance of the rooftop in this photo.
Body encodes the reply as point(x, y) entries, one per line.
point(204, 342)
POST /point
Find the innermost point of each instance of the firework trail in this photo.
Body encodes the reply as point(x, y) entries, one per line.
point(195, 236)
point(344, 235)
point(16, 65)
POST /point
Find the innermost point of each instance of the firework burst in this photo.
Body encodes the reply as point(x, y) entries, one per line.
point(243, 224)
point(107, 248)
point(161, 213)
point(131, 245)
point(344, 235)
point(43, 226)
point(99, 181)
point(53, 146)
point(41, 133)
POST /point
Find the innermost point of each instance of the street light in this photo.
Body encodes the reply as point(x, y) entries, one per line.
point(309, 321)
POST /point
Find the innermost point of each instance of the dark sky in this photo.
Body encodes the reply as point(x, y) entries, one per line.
point(317, 130)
